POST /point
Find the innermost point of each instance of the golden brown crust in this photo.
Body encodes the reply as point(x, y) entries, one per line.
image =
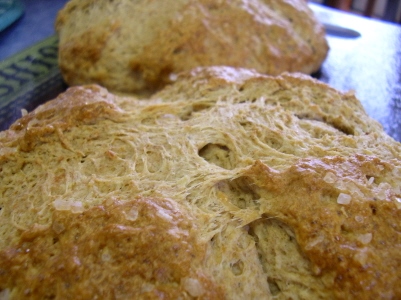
point(351, 244)
point(261, 187)
point(60, 115)
point(130, 46)
point(141, 248)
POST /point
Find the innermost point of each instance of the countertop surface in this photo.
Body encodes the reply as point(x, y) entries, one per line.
point(368, 62)
point(369, 65)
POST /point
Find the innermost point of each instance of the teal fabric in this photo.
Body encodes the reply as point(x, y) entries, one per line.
point(10, 11)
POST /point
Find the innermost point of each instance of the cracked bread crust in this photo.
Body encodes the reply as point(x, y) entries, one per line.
point(134, 46)
point(226, 184)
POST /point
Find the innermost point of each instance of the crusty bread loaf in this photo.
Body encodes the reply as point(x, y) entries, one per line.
point(227, 184)
point(135, 46)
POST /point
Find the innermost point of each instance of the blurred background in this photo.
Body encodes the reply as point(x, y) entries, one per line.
point(26, 22)
point(387, 10)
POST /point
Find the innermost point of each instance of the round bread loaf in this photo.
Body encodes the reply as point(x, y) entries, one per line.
point(227, 184)
point(135, 46)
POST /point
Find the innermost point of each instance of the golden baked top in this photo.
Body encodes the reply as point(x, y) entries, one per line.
point(134, 46)
point(226, 184)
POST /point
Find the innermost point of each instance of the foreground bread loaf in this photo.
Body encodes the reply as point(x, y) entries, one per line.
point(227, 184)
point(134, 46)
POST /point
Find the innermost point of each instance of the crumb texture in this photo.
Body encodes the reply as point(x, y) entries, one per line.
point(227, 184)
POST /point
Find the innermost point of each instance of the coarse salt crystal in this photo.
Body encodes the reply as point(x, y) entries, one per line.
point(77, 207)
point(110, 201)
point(147, 287)
point(132, 214)
point(314, 242)
point(359, 219)
point(383, 188)
point(344, 212)
point(365, 238)
point(354, 189)
point(361, 256)
point(164, 214)
point(61, 204)
point(341, 185)
point(173, 76)
point(344, 199)
point(398, 202)
point(106, 255)
point(166, 118)
point(5, 294)
point(58, 227)
point(193, 287)
point(384, 185)
point(316, 270)
point(371, 180)
point(397, 172)
point(397, 190)
point(330, 177)
point(76, 260)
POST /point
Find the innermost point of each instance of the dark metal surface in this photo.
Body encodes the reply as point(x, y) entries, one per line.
point(10, 11)
point(369, 64)
point(36, 24)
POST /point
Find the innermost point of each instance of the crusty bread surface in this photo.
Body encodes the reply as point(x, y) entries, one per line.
point(136, 46)
point(227, 184)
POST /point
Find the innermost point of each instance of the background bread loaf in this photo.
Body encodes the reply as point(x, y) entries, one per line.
point(134, 46)
point(226, 184)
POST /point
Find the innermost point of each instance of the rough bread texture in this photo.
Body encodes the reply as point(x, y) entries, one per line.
point(227, 184)
point(135, 46)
